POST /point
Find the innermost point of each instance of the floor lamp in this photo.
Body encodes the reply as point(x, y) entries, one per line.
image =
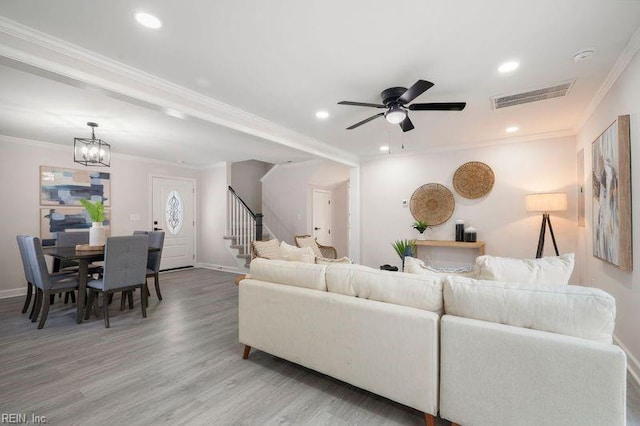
point(545, 203)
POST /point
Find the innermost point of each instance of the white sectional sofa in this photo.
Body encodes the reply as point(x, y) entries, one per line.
point(502, 354)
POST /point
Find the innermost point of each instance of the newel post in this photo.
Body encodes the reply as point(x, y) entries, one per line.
point(259, 226)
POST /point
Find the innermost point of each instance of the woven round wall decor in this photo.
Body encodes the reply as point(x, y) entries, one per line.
point(473, 179)
point(432, 203)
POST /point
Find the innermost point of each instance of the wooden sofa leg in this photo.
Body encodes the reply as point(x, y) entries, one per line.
point(429, 420)
point(247, 349)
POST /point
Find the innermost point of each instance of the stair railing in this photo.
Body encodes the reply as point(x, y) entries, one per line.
point(242, 223)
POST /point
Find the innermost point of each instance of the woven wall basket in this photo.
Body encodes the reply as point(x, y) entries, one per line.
point(432, 203)
point(473, 179)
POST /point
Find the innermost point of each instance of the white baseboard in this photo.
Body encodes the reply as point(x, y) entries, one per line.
point(633, 366)
point(14, 292)
point(232, 269)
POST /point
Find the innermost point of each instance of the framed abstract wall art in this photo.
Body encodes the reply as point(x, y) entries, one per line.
point(611, 195)
point(66, 187)
point(65, 219)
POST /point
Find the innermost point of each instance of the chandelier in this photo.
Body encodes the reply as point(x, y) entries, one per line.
point(92, 152)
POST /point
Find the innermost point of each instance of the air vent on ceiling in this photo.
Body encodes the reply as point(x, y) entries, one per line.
point(550, 92)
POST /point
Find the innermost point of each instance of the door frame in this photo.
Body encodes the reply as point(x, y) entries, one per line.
point(311, 210)
point(195, 208)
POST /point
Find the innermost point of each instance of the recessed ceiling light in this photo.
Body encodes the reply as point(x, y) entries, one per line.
point(512, 129)
point(384, 148)
point(508, 66)
point(584, 55)
point(322, 115)
point(148, 20)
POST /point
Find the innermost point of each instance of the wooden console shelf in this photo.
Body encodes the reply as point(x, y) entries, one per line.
point(453, 244)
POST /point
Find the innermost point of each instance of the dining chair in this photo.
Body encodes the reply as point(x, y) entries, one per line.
point(27, 273)
point(156, 240)
point(71, 239)
point(125, 260)
point(46, 284)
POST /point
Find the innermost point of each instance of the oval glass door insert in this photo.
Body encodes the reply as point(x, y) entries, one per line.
point(174, 214)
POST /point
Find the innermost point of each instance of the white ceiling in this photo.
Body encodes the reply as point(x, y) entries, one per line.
point(282, 60)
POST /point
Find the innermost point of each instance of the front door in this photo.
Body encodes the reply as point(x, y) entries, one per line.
point(322, 216)
point(173, 213)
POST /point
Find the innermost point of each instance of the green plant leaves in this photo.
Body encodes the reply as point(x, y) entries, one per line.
point(95, 210)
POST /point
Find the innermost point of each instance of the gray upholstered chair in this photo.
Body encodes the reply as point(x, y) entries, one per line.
point(46, 284)
point(156, 240)
point(125, 266)
point(27, 273)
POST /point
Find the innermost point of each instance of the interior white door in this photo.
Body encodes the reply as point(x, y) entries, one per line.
point(322, 216)
point(173, 212)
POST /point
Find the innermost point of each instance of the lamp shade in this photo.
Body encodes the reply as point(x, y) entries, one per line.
point(550, 202)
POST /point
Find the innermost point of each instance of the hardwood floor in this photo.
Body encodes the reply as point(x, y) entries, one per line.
point(181, 365)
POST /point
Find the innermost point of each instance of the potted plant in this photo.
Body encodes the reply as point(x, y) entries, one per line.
point(420, 226)
point(404, 248)
point(96, 214)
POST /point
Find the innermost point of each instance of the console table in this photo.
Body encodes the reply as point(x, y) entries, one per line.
point(479, 245)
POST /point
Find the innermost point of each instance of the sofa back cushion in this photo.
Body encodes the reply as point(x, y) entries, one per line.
point(553, 270)
point(577, 311)
point(416, 291)
point(306, 275)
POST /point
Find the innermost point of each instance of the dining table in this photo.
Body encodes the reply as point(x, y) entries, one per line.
point(83, 258)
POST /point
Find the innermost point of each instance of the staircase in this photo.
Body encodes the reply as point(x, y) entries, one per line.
point(243, 227)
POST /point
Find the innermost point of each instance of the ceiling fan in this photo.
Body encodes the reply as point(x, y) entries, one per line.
point(395, 100)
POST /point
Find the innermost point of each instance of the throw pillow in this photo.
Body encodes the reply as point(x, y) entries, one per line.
point(325, 261)
point(553, 270)
point(309, 242)
point(297, 254)
point(417, 266)
point(267, 249)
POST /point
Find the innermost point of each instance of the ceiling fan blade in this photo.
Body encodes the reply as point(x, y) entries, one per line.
point(414, 91)
point(438, 106)
point(406, 124)
point(361, 104)
point(365, 121)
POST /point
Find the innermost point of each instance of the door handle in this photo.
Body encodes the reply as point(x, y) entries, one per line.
point(316, 228)
point(157, 229)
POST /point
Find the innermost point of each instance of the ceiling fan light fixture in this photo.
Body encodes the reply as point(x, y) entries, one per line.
point(395, 114)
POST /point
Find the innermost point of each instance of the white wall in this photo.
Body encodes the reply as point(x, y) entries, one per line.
point(20, 162)
point(500, 217)
point(286, 199)
point(212, 250)
point(623, 98)
point(245, 181)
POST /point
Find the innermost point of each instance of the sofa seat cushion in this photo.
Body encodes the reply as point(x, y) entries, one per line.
point(298, 274)
point(416, 291)
point(553, 270)
point(584, 312)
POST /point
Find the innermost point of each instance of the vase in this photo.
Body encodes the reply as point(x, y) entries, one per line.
point(421, 237)
point(96, 234)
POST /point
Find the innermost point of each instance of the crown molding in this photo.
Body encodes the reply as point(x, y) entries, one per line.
point(630, 50)
point(29, 46)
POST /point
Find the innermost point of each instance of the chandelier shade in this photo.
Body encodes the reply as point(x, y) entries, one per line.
point(92, 152)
